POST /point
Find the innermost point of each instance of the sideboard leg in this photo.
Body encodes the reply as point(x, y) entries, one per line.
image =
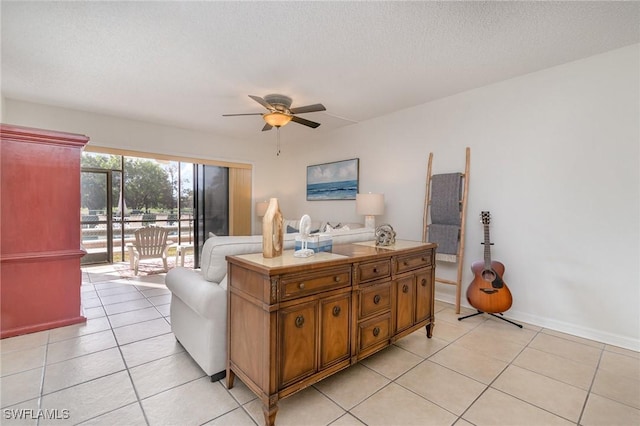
point(230, 378)
point(270, 412)
point(429, 328)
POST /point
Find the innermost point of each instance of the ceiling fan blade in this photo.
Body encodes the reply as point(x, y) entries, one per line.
point(308, 108)
point(235, 115)
point(266, 127)
point(262, 102)
point(304, 122)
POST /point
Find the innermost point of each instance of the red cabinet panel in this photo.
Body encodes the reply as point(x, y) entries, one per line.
point(40, 253)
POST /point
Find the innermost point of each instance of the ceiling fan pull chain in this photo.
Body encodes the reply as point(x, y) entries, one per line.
point(278, 142)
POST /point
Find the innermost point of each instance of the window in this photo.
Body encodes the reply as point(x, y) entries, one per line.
point(121, 193)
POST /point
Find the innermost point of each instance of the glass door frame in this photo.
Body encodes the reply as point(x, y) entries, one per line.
point(108, 223)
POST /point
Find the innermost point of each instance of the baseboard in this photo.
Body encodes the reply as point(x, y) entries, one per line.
point(561, 326)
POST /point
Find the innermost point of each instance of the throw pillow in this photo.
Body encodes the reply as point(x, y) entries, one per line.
point(339, 227)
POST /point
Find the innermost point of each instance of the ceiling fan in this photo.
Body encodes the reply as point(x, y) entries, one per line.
point(280, 111)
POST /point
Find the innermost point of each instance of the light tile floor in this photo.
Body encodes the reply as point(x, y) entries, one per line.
point(124, 367)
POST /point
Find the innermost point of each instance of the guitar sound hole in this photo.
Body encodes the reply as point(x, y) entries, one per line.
point(488, 275)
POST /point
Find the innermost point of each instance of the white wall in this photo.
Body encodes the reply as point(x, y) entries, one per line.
point(122, 133)
point(554, 157)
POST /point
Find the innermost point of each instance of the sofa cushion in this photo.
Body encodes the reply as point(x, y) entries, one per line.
point(213, 263)
point(202, 296)
point(339, 236)
point(316, 225)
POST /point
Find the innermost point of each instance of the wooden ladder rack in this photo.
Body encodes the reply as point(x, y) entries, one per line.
point(463, 214)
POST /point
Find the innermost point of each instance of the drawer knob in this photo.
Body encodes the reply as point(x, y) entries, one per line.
point(424, 282)
point(301, 286)
point(405, 288)
point(299, 321)
point(336, 311)
point(406, 263)
point(376, 331)
point(337, 278)
point(375, 270)
point(376, 299)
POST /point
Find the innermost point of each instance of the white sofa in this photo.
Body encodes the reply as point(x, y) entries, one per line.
point(199, 297)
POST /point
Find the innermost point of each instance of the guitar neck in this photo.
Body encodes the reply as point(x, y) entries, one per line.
point(487, 247)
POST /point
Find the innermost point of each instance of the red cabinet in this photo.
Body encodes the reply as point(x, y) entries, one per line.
point(40, 252)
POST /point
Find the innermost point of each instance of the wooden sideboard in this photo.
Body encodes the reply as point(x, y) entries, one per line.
point(294, 321)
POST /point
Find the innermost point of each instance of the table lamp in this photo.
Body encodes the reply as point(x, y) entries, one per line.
point(370, 205)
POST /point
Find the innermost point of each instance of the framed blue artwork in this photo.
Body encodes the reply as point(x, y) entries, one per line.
point(333, 181)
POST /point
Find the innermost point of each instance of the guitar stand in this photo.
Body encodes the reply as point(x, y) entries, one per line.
point(493, 315)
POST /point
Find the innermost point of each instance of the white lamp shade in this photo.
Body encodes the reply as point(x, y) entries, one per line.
point(261, 208)
point(370, 204)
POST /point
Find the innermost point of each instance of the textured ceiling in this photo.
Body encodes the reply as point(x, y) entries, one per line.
point(187, 63)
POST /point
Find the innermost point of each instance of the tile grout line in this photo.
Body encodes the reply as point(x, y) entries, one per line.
point(588, 392)
point(527, 345)
point(124, 361)
point(128, 369)
point(489, 386)
point(44, 370)
point(593, 380)
point(458, 417)
point(467, 331)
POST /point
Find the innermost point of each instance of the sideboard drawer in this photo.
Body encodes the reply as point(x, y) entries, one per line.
point(374, 270)
point(374, 299)
point(413, 261)
point(301, 285)
point(374, 331)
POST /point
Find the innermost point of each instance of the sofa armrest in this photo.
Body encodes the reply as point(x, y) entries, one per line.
point(205, 297)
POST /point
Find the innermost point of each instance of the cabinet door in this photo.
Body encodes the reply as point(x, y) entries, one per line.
point(334, 329)
point(405, 302)
point(424, 291)
point(297, 342)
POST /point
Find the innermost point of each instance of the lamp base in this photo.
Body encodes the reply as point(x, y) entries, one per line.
point(370, 222)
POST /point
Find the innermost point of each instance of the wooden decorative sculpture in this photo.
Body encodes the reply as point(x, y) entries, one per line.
point(272, 230)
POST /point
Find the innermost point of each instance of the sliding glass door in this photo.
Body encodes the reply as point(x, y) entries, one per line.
point(95, 222)
point(211, 204)
point(121, 193)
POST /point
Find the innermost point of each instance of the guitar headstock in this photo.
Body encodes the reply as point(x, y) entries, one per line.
point(486, 217)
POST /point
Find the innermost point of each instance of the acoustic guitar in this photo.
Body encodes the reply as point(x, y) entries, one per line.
point(488, 292)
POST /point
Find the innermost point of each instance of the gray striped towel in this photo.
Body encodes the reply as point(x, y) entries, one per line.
point(446, 191)
point(446, 236)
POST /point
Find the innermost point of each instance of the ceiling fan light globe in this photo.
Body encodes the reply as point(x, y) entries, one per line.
point(276, 119)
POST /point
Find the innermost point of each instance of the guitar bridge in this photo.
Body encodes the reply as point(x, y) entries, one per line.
point(489, 290)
